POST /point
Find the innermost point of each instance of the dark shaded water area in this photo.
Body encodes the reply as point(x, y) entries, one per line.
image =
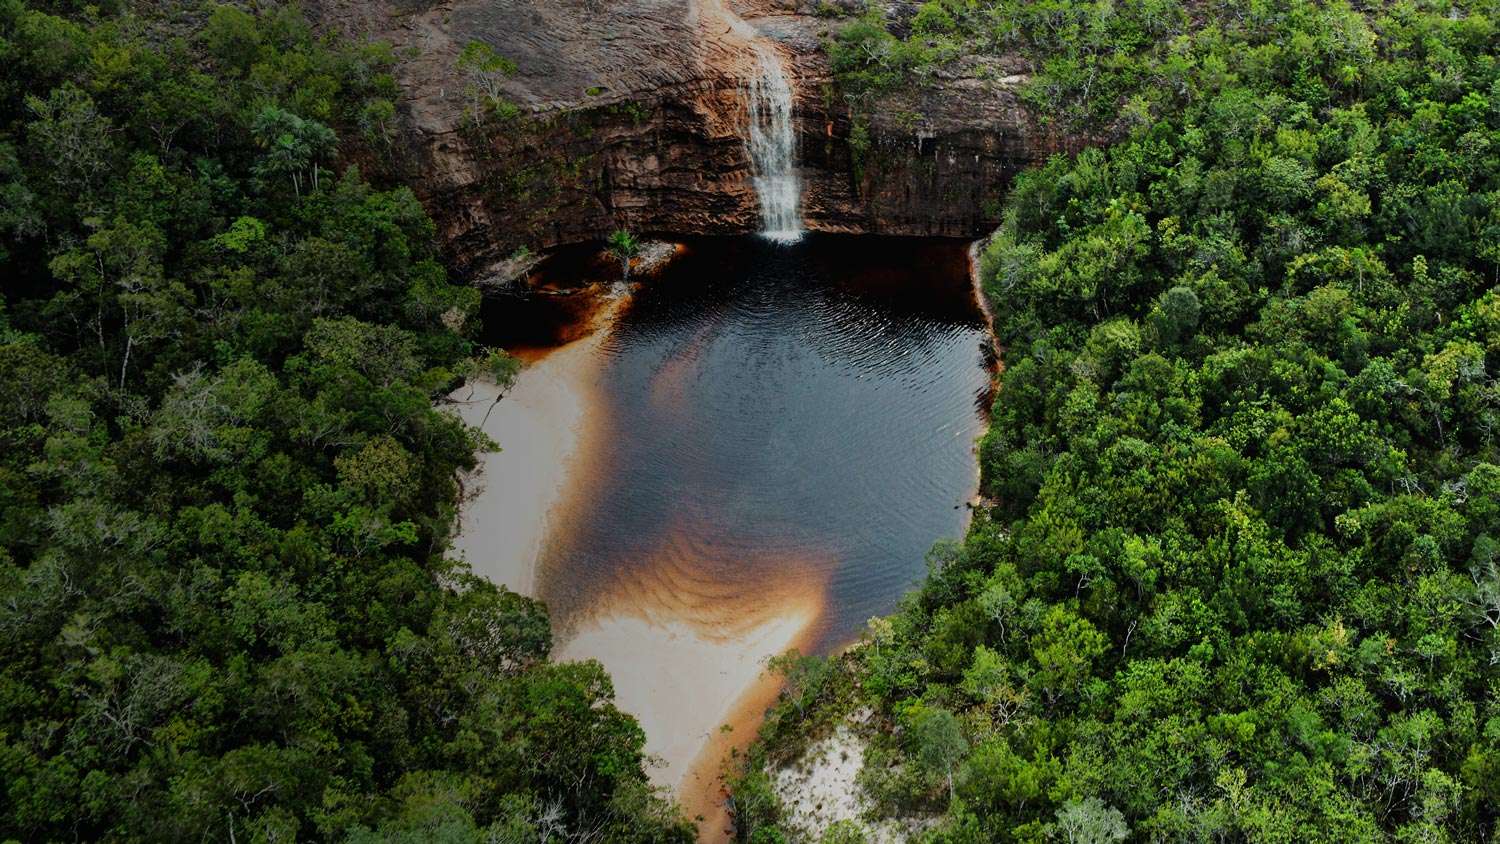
point(765, 422)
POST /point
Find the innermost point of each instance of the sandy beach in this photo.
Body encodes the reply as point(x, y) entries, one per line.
point(679, 485)
point(683, 683)
point(539, 425)
point(684, 671)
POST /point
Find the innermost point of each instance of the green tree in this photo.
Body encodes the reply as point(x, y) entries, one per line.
point(804, 678)
point(1090, 821)
point(292, 146)
point(225, 489)
point(486, 71)
point(71, 136)
point(938, 742)
point(624, 247)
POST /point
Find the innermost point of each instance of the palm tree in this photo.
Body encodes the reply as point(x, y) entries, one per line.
point(624, 246)
point(292, 145)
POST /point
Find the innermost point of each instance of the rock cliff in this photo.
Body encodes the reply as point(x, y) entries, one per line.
point(630, 113)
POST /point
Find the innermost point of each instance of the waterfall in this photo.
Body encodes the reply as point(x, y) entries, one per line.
point(772, 143)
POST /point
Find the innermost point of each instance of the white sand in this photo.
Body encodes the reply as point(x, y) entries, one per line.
point(510, 496)
point(681, 682)
point(686, 660)
point(683, 665)
point(821, 789)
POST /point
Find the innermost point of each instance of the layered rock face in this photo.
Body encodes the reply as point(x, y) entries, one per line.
point(631, 113)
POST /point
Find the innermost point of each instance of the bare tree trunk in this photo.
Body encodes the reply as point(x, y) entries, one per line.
point(125, 364)
point(491, 409)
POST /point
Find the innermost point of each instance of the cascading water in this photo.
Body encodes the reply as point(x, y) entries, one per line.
point(772, 142)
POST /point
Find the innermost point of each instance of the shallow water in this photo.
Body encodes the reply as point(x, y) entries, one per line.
point(771, 437)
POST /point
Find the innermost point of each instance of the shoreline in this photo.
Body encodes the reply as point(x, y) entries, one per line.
point(511, 495)
point(693, 685)
point(690, 669)
point(996, 359)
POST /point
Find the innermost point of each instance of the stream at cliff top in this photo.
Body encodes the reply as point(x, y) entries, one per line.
point(751, 452)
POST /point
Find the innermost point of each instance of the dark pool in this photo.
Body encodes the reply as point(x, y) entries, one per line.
point(766, 420)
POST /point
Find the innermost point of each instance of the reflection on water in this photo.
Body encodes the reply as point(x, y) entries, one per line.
point(771, 415)
point(773, 437)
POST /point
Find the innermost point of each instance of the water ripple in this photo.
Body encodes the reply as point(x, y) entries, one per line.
point(771, 420)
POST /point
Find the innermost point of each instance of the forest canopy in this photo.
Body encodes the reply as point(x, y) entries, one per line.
point(1239, 578)
point(1238, 572)
point(225, 491)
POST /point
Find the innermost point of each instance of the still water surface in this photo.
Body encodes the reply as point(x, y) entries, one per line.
point(772, 436)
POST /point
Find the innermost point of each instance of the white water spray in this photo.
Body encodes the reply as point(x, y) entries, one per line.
point(772, 143)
